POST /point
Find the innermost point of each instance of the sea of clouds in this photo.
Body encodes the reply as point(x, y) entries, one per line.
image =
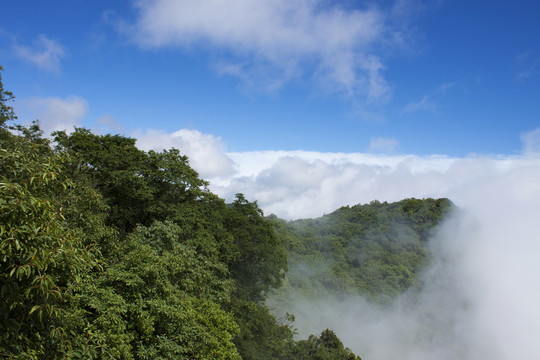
point(482, 291)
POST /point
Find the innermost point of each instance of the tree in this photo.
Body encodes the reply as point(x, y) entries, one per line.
point(6, 111)
point(259, 264)
point(159, 299)
point(114, 164)
point(325, 347)
point(139, 187)
point(262, 260)
point(261, 335)
point(376, 250)
point(40, 256)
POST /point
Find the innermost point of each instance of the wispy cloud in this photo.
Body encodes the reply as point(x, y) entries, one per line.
point(334, 46)
point(525, 74)
point(428, 103)
point(425, 104)
point(523, 57)
point(45, 53)
point(527, 64)
point(531, 141)
point(443, 88)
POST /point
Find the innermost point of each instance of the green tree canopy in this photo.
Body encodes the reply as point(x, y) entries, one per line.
point(139, 187)
point(325, 347)
point(6, 110)
point(41, 255)
point(158, 300)
point(262, 261)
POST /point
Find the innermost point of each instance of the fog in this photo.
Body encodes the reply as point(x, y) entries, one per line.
point(481, 293)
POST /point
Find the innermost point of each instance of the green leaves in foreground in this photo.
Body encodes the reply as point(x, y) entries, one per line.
point(40, 256)
point(160, 300)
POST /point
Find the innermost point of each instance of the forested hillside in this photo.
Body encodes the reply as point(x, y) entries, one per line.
point(110, 252)
point(375, 250)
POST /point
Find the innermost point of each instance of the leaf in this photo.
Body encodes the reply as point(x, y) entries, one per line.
point(34, 308)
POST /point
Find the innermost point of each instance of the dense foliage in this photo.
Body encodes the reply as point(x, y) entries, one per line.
point(110, 252)
point(325, 347)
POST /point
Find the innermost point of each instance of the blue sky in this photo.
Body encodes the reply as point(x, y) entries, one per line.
point(438, 77)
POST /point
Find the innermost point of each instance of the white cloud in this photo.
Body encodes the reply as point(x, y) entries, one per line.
point(53, 113)
point(206, 152)
point(274, 41)
point(295, 184)
point(307, 184)
point(531, 141)
point(425, 104)
point(46, 53)
point(527, 65)
point(383, 145)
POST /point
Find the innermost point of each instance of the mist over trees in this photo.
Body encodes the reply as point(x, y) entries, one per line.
point(376, 250)
point(111, 252)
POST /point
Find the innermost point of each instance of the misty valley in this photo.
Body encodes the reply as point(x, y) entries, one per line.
point(111, 252)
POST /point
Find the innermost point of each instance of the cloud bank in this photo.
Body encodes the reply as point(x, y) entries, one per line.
point(267, 43)
point(299, 184)
point(482, 292)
